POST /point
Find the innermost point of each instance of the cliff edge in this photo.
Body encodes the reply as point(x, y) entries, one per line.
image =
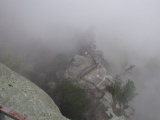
point(21, 95)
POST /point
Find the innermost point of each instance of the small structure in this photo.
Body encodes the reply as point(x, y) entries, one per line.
point(10, 113)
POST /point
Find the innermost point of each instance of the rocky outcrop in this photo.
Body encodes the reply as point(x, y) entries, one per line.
point(90, 70)
point(21, 95)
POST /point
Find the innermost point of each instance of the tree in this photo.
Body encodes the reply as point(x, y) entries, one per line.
point(128, 92)
point(122, 93)
point(73, 102)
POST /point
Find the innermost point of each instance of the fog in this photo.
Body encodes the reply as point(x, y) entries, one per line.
point(125, 30)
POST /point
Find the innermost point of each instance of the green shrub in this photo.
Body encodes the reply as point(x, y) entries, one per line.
point(73, 102)
point(129, 92)
point(115, 89)
point(122, 93)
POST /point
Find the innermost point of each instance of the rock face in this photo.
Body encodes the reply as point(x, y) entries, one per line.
point(89, 68)
point(90, 71)
point(78, 65)
point(21, 95)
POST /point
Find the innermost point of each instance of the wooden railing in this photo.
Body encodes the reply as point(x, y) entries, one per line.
point(10, 113)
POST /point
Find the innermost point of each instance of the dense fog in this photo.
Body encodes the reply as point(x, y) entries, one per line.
point(125, 30)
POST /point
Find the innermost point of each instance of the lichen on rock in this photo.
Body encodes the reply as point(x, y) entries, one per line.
point(21, 95)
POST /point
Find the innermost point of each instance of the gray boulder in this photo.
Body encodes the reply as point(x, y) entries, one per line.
point(21, 95)
point(88, 68)
point(78, 66)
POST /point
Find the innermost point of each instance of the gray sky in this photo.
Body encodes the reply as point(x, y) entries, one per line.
point(124, 29)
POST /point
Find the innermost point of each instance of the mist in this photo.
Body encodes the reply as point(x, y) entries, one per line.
point(126, 31)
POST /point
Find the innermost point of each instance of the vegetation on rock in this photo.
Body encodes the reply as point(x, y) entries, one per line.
point(122, 93)
point(73, 100)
